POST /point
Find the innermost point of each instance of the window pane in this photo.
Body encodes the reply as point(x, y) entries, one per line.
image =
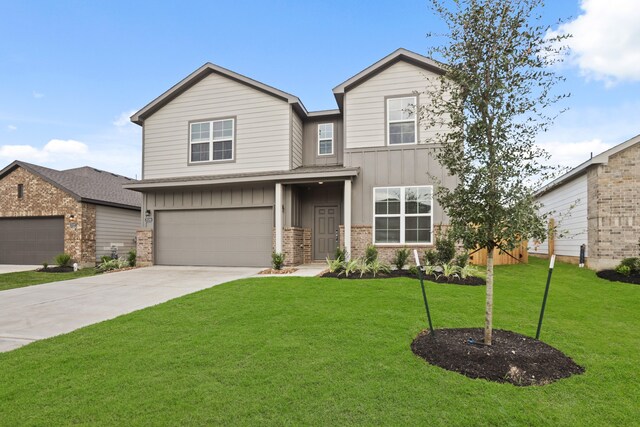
point(326, 146)
point(393, 200)
point(199, 152)
point(325, 131)
point(424, 200)
point(387, 230)
point(222, 129)
point(402, 133)
point(417, 229)
point(199, 132)
point(401, 109)
point(222, 150)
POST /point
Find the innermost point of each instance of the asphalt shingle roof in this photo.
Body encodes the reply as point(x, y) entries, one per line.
point(86, 183)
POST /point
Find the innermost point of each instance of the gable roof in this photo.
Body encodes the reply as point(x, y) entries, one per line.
point(200, 74)
point(602, 158)
point(386, 62)
point(85, 184)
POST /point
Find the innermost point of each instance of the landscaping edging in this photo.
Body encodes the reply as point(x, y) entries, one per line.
point(512, 358)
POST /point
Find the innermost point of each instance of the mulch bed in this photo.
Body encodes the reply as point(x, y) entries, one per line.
point(614, 276)
point(469, 281)
point(512, 358)
point(281, 271)
point(55, 270)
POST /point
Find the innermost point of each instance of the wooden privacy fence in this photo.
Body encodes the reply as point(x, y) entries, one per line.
point(521, 255)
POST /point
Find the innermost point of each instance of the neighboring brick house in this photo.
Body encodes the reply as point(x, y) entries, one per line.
point(597, 204)
point(233, 169)
point(83, 212)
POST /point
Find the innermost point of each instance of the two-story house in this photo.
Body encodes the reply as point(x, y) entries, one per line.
point(233, 169)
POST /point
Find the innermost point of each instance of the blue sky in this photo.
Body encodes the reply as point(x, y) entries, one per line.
point(71, 72)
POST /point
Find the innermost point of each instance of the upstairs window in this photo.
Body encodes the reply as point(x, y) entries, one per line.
point(325, 139)
point(211, 141)
point(403, 215)
point(402, 125)
point(20, 191)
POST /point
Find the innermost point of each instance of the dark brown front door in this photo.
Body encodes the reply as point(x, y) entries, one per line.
point(325, 231)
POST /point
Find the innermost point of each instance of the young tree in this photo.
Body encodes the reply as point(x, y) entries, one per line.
point(492, 101)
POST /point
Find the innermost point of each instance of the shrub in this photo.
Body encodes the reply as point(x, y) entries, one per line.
point(400, 258)
point(105, 258)
point(430, 257)
point(45, 265)
point(62, 260)
point(277, 260)
point(468, 270)
point(335, 265)
point(112, 264)
point(131, 258)
point(414, 271)
point(376, 267)
point(351, 267)
point(625, 270)
point(450, 270)
point(445, 249)
point(632, 263)
point(462, 259)
point(340, 255)
point(370, 254)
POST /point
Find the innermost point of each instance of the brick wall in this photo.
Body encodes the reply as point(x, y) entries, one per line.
point(144, 247)
point(42, 199)
point(614, 209)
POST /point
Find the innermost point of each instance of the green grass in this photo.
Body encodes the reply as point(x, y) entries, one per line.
point(29, 278)
point(330, 352)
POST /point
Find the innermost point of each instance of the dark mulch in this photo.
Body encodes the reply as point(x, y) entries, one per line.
point(55, 270)
point(614, 276)
point(469, 281)
point(512, 358)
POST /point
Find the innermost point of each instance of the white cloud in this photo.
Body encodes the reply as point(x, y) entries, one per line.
point(123, 119)
point(606, 40)
point(12, 128)
point(53, 151)
point(38, 95)
point(574, 153)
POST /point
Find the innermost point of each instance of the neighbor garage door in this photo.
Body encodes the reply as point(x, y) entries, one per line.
point(217, 237)
point(30, 240)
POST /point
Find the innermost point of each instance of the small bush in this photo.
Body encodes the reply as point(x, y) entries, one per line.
point(105, 258)
point(414, 271)
point(351, 267)
point(277, 260)
point(370, 254)
point(131, 258)
point(632, 263)
point(445, 249)
point(450, 271)
point(112, 264)
point(625, 270)
point(45, 265)
point(335, 265)
point(376, 267)
point(468, 270)
point(340, 255)
point(430, 257)
point(461, 260)
point(400, 258)
point(62, 260)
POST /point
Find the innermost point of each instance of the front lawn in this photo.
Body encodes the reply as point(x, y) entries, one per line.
point(301, 351)
point(28, 278)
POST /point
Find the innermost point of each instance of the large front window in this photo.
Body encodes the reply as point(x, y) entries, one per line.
point(403, 215)
point(211, 141)
point(402, 126)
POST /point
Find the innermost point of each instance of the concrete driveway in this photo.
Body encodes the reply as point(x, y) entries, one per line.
point(9, 268)
point(43, 311)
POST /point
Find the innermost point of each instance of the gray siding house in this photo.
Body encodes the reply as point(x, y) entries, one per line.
point(596, 204)
point(233, 169)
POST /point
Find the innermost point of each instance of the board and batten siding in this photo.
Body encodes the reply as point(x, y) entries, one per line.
point(296, 140)
point(261, 130)
point(388, 167)
point(365, 111)
point(211, 198)
point(310, 151)
point(569, 201)
point(115, 227)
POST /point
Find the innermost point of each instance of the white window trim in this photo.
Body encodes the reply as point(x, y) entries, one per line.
point(415, 121)
point(326, 139)
point(402, 216)
point(212, 140)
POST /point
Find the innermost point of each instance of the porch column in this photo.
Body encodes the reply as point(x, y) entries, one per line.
point(347, 217)
point(278, 218)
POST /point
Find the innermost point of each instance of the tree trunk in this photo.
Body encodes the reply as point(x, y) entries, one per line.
point(488, 316)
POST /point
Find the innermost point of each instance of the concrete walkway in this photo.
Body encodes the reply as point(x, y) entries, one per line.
point(9, 268)
point(42, 311)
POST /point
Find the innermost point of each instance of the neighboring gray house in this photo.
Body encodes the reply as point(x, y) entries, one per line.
point(596, 204)
point(233, 169)
point(83, 211)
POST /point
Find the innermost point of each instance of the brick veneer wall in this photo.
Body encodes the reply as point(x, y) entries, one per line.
point(41, 199)
point(362, 236)
point(293, 245)
point(614, 209)
point(144, 247)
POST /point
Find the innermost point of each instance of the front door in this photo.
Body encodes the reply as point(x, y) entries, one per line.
point(326, 232)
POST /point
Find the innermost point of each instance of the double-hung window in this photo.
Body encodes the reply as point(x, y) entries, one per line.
point(211, 141)
point(325, 139)
point(403, 215)
point(402, 124)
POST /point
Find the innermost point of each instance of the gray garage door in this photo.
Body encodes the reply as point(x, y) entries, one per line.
point(216, 237)
point(30, 240)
